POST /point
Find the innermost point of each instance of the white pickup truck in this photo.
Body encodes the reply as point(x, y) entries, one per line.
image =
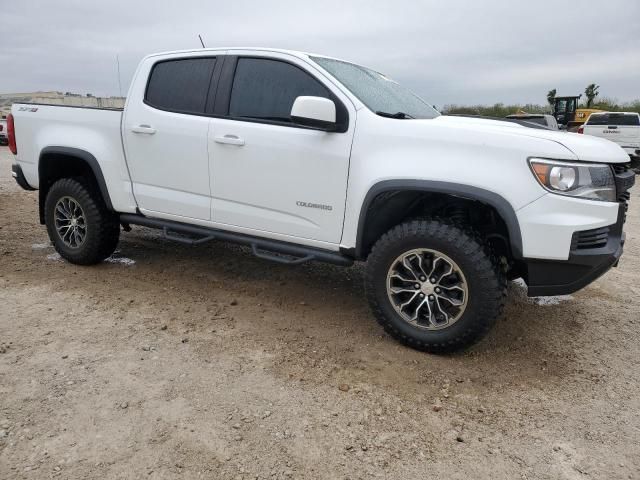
point(304, 157)
point(622, 128)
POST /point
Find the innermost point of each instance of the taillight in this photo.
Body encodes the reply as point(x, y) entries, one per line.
point(11, 131)
point(581, 129)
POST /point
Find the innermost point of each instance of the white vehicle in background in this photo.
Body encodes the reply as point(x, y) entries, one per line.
point(4, 138)
point(622, 128)
point(543, 119)
point(304, 157)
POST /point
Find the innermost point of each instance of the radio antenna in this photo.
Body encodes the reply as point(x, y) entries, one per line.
point(200, 37)
point(119, 81)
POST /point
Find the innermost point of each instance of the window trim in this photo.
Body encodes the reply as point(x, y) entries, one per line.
point(227, 78)
point(212, 88)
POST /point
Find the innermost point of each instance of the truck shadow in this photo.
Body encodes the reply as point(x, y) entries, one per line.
point(528, 343)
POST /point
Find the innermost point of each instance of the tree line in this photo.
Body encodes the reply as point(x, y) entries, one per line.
point(591, 99)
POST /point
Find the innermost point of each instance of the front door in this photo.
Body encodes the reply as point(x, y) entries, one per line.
point(166, 140)
point(268, 174)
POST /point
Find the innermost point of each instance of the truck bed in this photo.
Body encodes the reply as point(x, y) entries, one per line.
point(73, 106)
point(97, 131)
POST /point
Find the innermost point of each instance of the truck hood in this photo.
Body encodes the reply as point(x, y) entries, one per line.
point(584, 147)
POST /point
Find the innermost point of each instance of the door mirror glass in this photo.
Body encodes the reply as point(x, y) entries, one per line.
point(315, 112)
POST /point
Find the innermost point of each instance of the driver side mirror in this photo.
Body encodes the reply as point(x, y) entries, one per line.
point(316, 112)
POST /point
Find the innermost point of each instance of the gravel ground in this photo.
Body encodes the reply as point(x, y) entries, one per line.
point(171, 361)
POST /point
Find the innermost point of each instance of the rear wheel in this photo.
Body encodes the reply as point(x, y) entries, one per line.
point(81, 228)
point(434, 286)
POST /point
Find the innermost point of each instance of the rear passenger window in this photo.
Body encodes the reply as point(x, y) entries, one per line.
point(618, 119)
point(266, 89)
point(624, 119)
point(598, 119)
point(180, 85)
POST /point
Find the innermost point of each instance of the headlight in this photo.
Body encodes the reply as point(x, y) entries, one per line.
point(584, 180)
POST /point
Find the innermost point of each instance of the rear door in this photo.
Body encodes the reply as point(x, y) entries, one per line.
point(621, 128)
point(165, 138)
point(268, 175)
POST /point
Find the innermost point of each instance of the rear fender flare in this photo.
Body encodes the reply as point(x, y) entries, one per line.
point(83, 156)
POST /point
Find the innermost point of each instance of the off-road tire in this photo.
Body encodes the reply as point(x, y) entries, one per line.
point(102, 225)
point(486, 283)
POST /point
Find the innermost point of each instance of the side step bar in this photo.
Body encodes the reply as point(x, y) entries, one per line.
point(261, 248)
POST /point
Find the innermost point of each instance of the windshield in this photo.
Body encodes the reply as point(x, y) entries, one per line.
point(380, 94)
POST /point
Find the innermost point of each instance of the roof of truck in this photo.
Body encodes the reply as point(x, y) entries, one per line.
point(616, 113)
point(295, 53)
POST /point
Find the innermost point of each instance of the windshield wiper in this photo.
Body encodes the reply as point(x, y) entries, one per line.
point(398, 115)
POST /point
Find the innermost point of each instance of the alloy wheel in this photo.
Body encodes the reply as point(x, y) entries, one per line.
point(70, 222)
point(427, 289)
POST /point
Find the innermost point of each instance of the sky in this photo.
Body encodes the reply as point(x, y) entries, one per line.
point(447, 51)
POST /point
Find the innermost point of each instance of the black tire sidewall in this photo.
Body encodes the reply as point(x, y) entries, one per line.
point(481, 274)
point(99, 242)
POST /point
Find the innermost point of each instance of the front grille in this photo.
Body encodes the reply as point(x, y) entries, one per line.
point(625, 178)
point(599, 237)
point(595, 238)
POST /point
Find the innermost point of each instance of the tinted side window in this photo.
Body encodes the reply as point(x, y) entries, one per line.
point(266, 89)
point(598, 119)
point(624, 119)
point(180, 85)
point(537, 120)
point(619, 119)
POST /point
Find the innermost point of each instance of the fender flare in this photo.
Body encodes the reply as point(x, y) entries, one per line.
point(502, 206)
point(86, 157)
point(79, 154)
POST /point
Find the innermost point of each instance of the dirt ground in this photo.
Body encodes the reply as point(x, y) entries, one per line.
point(172, 361)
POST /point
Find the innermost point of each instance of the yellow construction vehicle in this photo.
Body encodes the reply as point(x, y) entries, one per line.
point(567, 113)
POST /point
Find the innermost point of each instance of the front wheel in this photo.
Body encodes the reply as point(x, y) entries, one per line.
point(434, 286)
point(81, 228)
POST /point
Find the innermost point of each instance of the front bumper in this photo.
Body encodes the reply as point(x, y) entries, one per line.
point(554, 277)
point(16, 172)
point(593, 252)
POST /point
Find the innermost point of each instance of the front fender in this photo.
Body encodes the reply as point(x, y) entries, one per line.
point(502, 206)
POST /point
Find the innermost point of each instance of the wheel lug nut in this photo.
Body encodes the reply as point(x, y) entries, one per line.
point(437, 290)
point(432, 280)
point(417, 286)
point(422, 295)
point(431, 297)
point(422, 279)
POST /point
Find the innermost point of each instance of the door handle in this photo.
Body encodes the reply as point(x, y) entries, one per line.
point(230, 140)
point(146, 129)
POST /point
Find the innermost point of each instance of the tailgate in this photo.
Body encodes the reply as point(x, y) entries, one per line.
point(623, 136)
point(629, 136)
point(621, 128)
